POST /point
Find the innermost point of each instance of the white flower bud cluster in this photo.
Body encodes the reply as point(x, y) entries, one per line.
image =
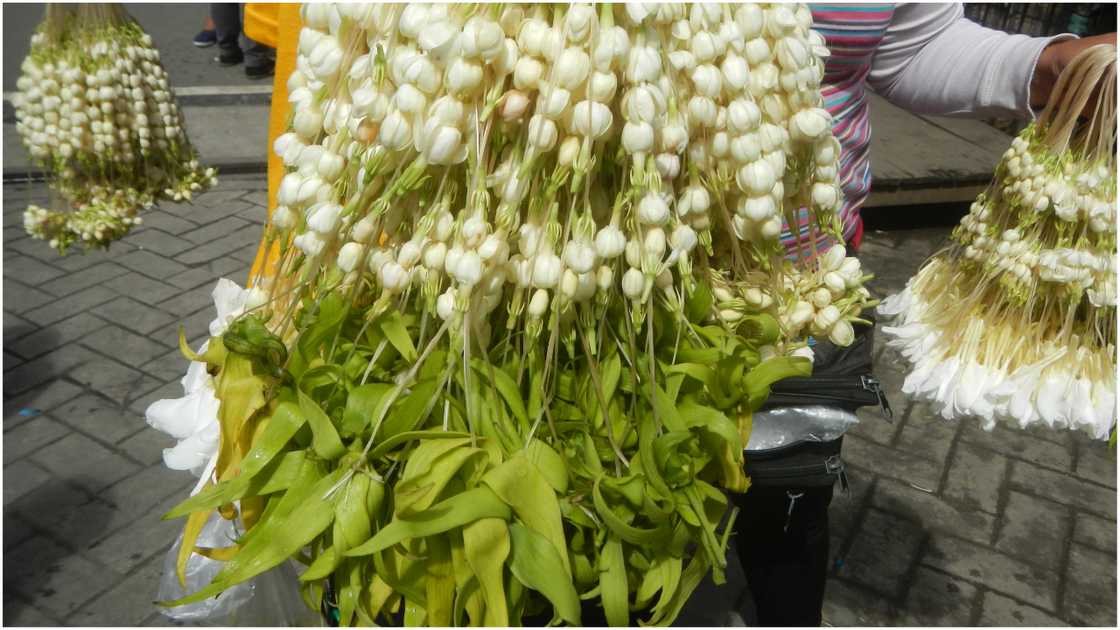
point(1073, 191)
point(95, 109)
point(396, 109)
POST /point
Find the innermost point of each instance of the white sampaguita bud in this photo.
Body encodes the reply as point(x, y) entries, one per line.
point(633, 283)
point(539, 303)
point(349, 256)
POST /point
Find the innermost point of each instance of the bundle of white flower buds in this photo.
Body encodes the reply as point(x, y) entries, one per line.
point(94, 109)
point(562, 152)
point(1017, 320)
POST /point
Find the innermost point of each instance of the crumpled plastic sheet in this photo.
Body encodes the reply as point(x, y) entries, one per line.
point(270, 599)
point(786, 426)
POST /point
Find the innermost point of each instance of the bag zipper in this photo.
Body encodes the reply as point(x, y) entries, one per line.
point(862, 390)
point(833, 467)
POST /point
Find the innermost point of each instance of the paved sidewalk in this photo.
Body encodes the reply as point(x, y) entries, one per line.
point(945, 524)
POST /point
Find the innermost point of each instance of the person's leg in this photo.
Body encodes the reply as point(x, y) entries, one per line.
point(259, 59)
point(227, 25)
point(784, 553)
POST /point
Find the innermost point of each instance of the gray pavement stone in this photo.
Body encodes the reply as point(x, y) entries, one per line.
point(1096, 462)
point(70, 304)
point(74, 282)
point(18, 612)
point(159, 242)
point(16, 530)
point(84, 462)
point(873, 427)
point(1019, 444)
point(1064, 489)
point(891, 463)
point(993, 570)
point(30, 271)
point(1000, 610)
point(237, 240)
point(150, 264)
point(882, 554)
point(847, 604)
point(130, 313)
point(22, 298)
point(192, 278)
point(128, 548)
point(70, 330)
point(115, 341)
point(213, 231)
point(57, 580)
point(15, 327)
point(975, 477)
point(938, 599)
point(168, 367)
point(172, 389)
point(128, 603)
point(31, 436)
point(935, 514)
point(44, 398)
point(1095, 532)
point(22, 477)
point(925, 434)
point(100, 418)
point(147, 445)
point(164, 221)
point(1090, 596)
point(113, 380)
point(142, 288)
point(1028, 528)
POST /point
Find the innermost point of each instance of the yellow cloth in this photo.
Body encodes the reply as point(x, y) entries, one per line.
point(276, 25)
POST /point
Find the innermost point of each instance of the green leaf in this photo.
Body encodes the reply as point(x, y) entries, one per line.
point(410, 411)
point(536, 564)
point(629, 533)
point(361, 406)
point(667, 410)
point(774, 369)
point(465, 507)
point(506, 387)
point(392, 324)
point(549, 463)
point(614, 589)
point(486, 546)
point(523, 488)
point(389, 444)
point(324, 441)
point(699, 303)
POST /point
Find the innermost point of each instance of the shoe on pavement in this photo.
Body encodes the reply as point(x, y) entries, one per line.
point(205, 38)
point(230, 57)
point(261, 70)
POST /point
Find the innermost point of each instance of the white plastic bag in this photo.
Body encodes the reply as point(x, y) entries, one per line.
point(785, 426)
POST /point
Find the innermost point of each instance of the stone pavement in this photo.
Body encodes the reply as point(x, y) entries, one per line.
point(946, 524)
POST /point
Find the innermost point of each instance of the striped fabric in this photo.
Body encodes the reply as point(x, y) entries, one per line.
point(852, 33)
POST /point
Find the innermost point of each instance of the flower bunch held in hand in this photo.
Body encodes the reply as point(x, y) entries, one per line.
point(94, 109)
point(1016, 321)
point(514, 321)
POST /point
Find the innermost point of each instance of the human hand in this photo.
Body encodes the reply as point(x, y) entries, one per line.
point(1054, 59)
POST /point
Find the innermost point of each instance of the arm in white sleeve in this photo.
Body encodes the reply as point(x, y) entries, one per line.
point(934, 61)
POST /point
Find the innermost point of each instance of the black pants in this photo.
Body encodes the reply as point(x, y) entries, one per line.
point(784, 554)
point(228, 26)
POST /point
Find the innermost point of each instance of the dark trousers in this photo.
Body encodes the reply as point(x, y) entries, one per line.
point(784, 554)
point(227, 28)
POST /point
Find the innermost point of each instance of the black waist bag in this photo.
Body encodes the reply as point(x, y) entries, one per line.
point(842, 377)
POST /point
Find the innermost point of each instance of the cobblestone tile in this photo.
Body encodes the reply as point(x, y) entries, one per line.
point(31, 436)
point(113, 380)
point(926, 435)
point(56, 580)
point(22, 477)
point(147, 445)
point(70, 330)
point(1064, 489)
point(15, 327)
point(45, 368)
point(34, 403)
point(115, 341)
point(30, 271)
point(142, 288)
point(147, 488)
point(1096, 462)
point(937, 599)
point(11, 360)
point(223, 246)
point(889, 462)
point(159, 242)
point(85, 462)
point(129, 547)
point(90, 276)
point(1091, 587)
point(1034, 529)
point(172, 389)
point(192, 278)
point(24, 299)
point(66, 306)
point(994, 570)
point(189, 302)
point(213, 231)
point(975, 477)
point(934, 513)
point(873, 427)
point(1095, 532)
point(132, 314)
point(128, 603)
point(16, 530)
point(848, 605)
point(100, 418)
point(19, 613)
point(166, 222)
point(150, 264)
point(881, 555)
point(999, 610)
point(1020, 445)
point(169, 367)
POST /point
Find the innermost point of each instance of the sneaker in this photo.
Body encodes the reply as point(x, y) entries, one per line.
point(205, 39)
point(230, 57)
point(261, 70)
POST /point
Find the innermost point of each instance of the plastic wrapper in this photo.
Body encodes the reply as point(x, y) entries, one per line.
point(270, 599)
point(786, 426)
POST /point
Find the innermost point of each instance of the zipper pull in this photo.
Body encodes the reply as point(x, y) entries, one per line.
point(871, 384)
point(835, 466)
